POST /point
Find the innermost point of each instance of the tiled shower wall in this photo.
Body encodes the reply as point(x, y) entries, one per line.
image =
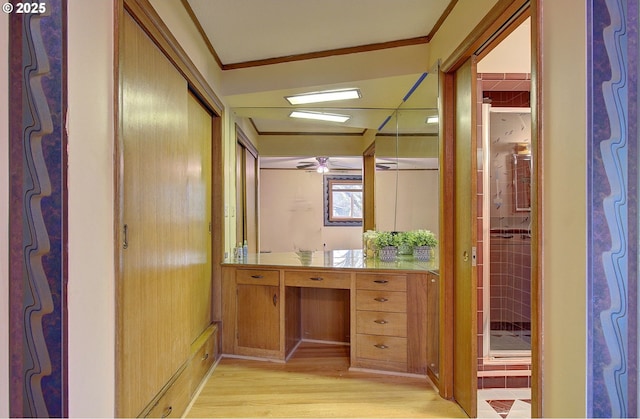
point(506, 90)
point(511, 281)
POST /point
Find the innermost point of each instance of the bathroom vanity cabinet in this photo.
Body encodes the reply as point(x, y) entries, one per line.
point(272, 302)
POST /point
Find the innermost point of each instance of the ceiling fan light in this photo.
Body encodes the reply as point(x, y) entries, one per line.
point(319, 116)
point(322, 169)
point(324, 96)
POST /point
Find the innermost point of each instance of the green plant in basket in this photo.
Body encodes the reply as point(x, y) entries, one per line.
point(384, 239)
point(421, 238)
point(403, 243)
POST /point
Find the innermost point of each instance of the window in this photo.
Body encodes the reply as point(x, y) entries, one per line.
point(343, 200)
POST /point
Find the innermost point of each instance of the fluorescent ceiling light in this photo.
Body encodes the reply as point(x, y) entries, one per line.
point(325, 96)
point(320, 116)
point(432, 120)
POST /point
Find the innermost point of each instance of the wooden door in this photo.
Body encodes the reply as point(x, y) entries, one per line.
point(258, 316)
point(251, 202)
point(246, 191)
point(465, 345)
point(199, 222)
point(240, 201)
point(152, 311)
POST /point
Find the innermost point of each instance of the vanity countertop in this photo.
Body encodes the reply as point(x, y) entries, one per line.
point(345, 259)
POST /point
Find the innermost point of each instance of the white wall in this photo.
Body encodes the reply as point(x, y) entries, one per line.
point(292, 217)
point(418, 200)
point(513, 55)
point(291, 209)
point(91, 195)
point(4, 216)
point(564, 215)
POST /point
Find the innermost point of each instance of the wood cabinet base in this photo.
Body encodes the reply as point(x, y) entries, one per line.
point(174, 398)
point(268, 311)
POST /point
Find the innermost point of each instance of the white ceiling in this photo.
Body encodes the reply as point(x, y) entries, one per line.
point(242, 31)
point(247, 30)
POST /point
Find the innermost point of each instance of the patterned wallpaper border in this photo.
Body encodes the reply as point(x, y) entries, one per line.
point(612, 160)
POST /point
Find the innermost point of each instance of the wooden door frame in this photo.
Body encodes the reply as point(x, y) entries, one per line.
point(481, 39)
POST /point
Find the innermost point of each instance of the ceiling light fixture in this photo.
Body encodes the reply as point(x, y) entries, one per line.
point(320, 116)
point(324, 96)
point(322, 169)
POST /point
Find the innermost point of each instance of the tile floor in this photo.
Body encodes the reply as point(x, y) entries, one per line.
point(503, 403)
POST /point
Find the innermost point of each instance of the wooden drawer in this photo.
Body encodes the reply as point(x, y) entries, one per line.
point(257, 277)
point(204, 357)
point(175, 400)
point(381, 323)
point(381, 348)
point(318, 279)
point(393, 301)
point(381, 282)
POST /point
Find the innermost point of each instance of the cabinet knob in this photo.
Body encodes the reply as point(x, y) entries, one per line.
point(380, 281)
point(275, 299)
point(381, 346)
point(257, 276)
point(316, 278)
point(381, 321)
point(381, 299)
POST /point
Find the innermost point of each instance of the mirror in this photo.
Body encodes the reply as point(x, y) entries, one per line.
point(406, 150)
point(404, 137)
point(521, 182)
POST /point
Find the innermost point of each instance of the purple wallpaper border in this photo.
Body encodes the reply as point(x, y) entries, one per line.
point(612, 213)
point(38, 213)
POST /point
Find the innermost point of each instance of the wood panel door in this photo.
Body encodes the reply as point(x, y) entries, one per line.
point(465, 385)
point(152, 304)
point(199, 221)
point(258, 316)
point(247, 170)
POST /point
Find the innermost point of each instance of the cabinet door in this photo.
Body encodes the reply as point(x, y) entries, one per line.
point(258, 316)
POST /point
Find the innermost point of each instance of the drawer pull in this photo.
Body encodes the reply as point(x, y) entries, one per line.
point(316, 278)
point(205, 356)
point(381, 346)
point(257, 276)
point(167, 412)
point(381, 321)
point(381, 299)
point(380, 281)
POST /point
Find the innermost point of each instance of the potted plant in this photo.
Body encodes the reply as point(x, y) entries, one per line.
point(423, 241)
point(385, 242)
point(403, 242)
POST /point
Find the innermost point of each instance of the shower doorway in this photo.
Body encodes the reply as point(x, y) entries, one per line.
point(506, 232)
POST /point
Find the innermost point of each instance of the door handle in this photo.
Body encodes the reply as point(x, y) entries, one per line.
point(465, 256)
point(125, 238)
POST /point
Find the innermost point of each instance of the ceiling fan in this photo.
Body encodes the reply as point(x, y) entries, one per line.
point(385, 165)
point(322, 165)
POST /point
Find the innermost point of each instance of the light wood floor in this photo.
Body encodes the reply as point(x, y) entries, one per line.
point(315, 382)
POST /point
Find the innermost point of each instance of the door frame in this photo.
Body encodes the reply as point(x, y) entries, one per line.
point(488, 33)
